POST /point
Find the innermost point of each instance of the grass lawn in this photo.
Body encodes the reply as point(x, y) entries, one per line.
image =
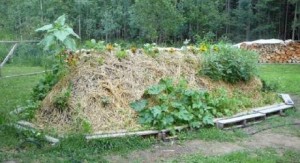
point(286, 76)
point(15, 91)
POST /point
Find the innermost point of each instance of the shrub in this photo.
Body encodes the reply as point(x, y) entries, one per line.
point(167, 104)
point(269, 86)
point(62, 99)
point(229, 64)
point(93, 44)
point(121, 54)
point(45, 85)
point(151, 49)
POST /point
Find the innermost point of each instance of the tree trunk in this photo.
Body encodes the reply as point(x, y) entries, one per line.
point(228, 9)
point(42, 13)
point(79, 26)
point(295, 21)
point(286, 18)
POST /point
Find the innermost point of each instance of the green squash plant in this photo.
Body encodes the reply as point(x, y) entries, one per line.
point(167, 104)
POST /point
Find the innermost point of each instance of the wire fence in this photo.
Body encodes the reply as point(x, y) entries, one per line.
point(25, 54)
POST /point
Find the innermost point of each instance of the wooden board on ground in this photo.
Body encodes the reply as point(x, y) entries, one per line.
point(270, 111)
point(241, 120)
point(287, 99)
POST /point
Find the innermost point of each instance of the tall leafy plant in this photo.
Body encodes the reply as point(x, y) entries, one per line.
point(229, 64)
point(59, 36)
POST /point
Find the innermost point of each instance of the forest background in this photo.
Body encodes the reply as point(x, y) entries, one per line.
point(161, 21)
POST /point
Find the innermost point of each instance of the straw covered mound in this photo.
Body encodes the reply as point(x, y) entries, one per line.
point(101, 92)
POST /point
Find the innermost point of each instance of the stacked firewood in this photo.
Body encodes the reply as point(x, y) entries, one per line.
point(288, 52)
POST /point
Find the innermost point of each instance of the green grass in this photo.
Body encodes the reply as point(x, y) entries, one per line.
point(77, 149)
point(15, 91)
point(9, 70)
point(281, 125)
point(263, 155)
point(213, 134)
point(286, 76)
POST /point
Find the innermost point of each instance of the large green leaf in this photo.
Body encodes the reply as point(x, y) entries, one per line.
point(61, 34)
point(184, 115)
point(195, 124)
point(70, 44)
point(71, 32)
point(47, 42)
point(208, 119)
point(167, 120)
point(156, 111)
point(146, 118)
point(156, 89)
point(60, 20)
point(139, 105)
point(45, 28)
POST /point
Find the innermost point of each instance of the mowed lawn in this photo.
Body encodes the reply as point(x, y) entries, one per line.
point(16, 91)
point(286, 76)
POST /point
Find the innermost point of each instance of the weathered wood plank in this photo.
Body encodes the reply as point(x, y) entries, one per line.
point(24, 125)
point(287, 99)
point(28, 74)
point(137, 133)
point(240, 118)
point(114, 135)
point(274, 109)
point(9, 55)
point(25, 41)
point(268, 107)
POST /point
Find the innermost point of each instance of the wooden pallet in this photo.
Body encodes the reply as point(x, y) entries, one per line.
point(241, 120)
point(274, 110)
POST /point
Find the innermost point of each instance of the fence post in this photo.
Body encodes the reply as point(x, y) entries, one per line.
point(7, 57)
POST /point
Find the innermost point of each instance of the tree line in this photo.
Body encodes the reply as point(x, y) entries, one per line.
point(161, 21)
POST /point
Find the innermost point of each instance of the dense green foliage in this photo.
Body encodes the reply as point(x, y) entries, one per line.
point(229, 64)
point(167, 104)
point(165, 21)
point(41, 90)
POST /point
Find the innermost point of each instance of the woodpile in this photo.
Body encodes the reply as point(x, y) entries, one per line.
point(274, 52)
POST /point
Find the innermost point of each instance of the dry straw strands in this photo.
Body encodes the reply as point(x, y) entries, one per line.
point(101, 92)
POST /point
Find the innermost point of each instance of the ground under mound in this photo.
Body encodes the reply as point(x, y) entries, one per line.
point(103, 86)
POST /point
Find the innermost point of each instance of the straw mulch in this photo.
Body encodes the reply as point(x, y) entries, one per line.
point(101, 93)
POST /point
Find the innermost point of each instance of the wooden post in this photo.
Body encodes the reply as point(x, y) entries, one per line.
point(8, 56)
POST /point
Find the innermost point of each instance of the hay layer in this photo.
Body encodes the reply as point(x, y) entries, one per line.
point(101, 93)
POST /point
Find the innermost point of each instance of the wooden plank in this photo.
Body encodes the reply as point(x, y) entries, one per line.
point(254, 110)
point(268, 107)
point(28, 74)
point(287, 99)
point(17, 111)
point(9, 55)
point(275, 109)
point(24, 125)
point(114, 135)
point(25, 41)
point(241, 118)
point(137, 133)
